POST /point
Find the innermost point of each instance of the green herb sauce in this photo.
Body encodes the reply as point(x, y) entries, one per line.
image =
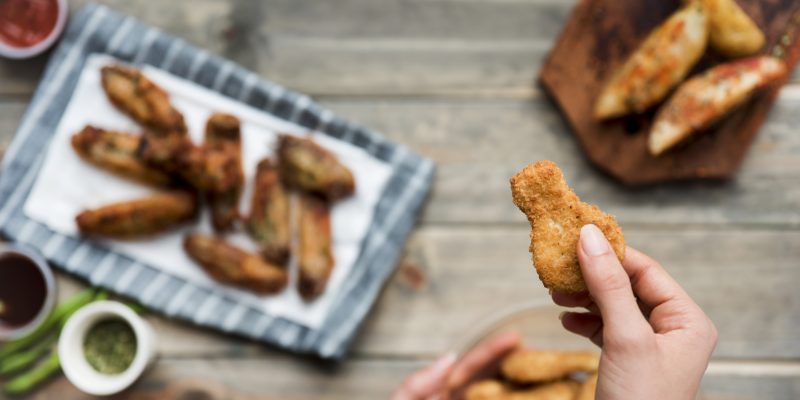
point(110, 346)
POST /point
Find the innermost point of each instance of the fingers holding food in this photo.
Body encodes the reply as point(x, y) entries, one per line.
point(704, 99)
point(139, 218)
point(116, 152)
point(229, 264)
point(556, 215)
point(732, 32)
point(533, 366)
point(307, 166)
point(268, 222)
point(140, 98)
point(660, 63)
point(315, 256)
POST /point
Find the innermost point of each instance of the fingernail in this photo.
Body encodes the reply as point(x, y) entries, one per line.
point(593, 241)
point(444, 362)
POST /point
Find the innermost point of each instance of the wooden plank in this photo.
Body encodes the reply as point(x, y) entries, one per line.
point(453, 281)
point(287, 378)
point(361, 47)
point(478, 145)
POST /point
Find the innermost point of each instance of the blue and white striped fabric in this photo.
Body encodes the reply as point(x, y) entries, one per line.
point(96, 29)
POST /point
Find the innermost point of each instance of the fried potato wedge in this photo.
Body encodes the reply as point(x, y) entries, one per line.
point(556, 215)
point(116, 152)
point(229, 264)
point(140, 98)
point(307, 166)
point(315, 253)
point(533, 366)
point(704, 99)
point(732, 32)
point(139, 218)
point(268, 222)
point(661, 62)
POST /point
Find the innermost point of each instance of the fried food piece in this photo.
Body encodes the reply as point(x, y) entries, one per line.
point(139, 218)
point(315, 256)
point(170, 152)
point(556, 216)
point(702, 100)
point(116, 152)
point(229, 264)
point(732, 32)
point(496, 390)
point(486, 390)
point(140, 98)
point(533, 366)
point(223, 145)
point(660, 62)
point(588, 388)
point(307, 166)
point(268, 222)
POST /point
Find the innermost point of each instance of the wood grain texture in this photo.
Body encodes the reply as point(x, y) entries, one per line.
point(455, 81)
point(596, 41)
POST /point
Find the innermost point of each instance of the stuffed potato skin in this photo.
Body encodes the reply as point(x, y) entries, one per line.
point(704, 99)
point(661, 62)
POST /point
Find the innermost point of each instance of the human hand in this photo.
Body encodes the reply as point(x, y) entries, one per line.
point(446, 378)
point(656, 342)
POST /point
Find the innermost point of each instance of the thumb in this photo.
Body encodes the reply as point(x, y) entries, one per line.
point(609, 284)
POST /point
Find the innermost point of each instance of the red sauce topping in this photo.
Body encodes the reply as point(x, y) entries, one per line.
point(23, 23)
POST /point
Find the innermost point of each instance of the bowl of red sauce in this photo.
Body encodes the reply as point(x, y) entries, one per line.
point(29, 27)
point(27, 291)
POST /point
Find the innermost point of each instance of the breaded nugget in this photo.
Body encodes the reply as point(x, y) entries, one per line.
point(496, 390)
point(116, 152)
point(702, 100)
point(307, 166)
point(562, 390)
point(588, 388)
point(140, 98)
point(661, 62)
point(169, 152)
point(229, 264)
point(315, 254)
point(223, 140)
point(138, 218)
point(556, 216)
point(731, 31)
point(268, 222)
point(533, 366)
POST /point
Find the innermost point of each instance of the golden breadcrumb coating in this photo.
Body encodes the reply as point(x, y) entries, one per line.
point(533, 366)
point(556, 216)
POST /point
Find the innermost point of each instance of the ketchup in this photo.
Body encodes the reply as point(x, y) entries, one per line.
point(23, 23)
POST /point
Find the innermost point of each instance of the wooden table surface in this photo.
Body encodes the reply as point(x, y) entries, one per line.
point(455, 80)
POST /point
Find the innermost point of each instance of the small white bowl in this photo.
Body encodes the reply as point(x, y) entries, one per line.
point(73, 361)
point(30, 51)
point(50, 291)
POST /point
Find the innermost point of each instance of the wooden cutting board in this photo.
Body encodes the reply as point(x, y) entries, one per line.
point(597, 39)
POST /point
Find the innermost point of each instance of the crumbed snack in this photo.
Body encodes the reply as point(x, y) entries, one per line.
point(533, 366)
point(588, 388)
point(496, 390)
point(556, 216)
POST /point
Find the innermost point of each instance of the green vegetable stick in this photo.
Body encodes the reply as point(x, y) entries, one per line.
point(60, 314)
point(34, 377)
point(21, 360)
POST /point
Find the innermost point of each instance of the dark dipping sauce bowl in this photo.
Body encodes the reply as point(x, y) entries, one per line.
point(27, 291)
